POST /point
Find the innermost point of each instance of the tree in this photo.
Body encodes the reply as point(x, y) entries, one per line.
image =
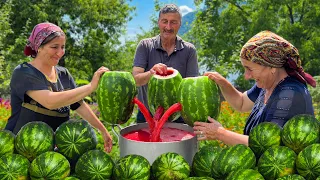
point(92, 27)
point(222, 27)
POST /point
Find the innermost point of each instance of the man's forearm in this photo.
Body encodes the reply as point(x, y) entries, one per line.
point(142, 78)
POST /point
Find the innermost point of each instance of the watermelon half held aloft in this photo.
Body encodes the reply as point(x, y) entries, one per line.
point(94, 164)
point(277, 161)
point(33, 139)
point(14, 166)
point(162, 91)
point(170, 166)
point(300, 131)
point(75, 137)
point(231, 159)
point(199, 97)
point(6, 142)
point(308, 162)
point(115, 94)
point(263, 136)
point(132, 167)
point(49, 165)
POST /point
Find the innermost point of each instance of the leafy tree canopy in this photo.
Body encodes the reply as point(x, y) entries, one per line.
point(93, 29)
point(222, 27)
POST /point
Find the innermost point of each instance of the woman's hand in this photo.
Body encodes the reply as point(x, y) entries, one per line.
point(208, 131)
point(96, 77)
point(107, 141)
point(216, 77)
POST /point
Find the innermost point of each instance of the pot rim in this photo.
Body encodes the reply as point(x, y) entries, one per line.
point(139, 126)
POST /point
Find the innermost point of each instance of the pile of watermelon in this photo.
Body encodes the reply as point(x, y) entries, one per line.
point(37, 152)
point(291, 152)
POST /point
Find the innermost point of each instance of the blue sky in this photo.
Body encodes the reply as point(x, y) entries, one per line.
point(145, 9)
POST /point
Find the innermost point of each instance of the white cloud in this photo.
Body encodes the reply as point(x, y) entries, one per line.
point(185, 10)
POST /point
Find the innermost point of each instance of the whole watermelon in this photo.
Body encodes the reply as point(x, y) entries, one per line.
point(14, 166)
point(202, 160)
point(94, 164)
point(263, 136)
point(71, 178)
point(308, 162)
point(199, 97)
point(277, 161)
point(170, 166)
point(49, 165)
point(75, 137)
point(245, 174)
point(199, 178)
point(231, 159)
point(162, 91)
point(132, 167)
point(300, 131)
point(33, 139)
point(6, 142)
point(115, 94)
point(291, 177)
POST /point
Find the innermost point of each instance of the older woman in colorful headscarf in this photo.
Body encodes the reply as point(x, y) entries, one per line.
point(280, 91)
point(43, 91)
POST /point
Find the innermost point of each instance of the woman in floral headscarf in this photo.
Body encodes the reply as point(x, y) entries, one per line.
point(43, 91)
point(280, 91)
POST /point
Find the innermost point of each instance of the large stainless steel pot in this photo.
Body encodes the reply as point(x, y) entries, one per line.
point(151, 150)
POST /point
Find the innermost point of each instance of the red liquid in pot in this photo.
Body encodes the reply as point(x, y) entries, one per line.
point(166, 135)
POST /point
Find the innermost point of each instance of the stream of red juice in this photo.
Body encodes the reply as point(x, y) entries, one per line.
point(156, 132)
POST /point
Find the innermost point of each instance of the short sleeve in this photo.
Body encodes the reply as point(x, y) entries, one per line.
point(25, 79)
point(73, 85)
point(71, 80)
point(253, 93)
point(141, 55)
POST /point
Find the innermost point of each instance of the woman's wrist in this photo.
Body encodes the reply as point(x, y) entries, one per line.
point(221, 133)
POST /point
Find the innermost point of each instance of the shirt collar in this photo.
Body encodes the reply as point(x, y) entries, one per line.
point(179, 43)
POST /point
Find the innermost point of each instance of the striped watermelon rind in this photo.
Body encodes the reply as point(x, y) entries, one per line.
point(33, 139)
point(263, 136)
point(308, 162)
point(162, 91)
point(300, 131)
point(94, 164)
point(231, 159)
point(6, 142)
point(170, 166)
point(115, 93)
point(132, 167)
point(202, 160)
point(75, 137)
point(71, 178)
point(199, 178)
point(199, 97)
point(49, 165)
point(245, 174)
point(292, 177)
point(14, 166)
point(277, 161)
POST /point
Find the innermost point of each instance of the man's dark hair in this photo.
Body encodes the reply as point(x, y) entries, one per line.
point(170, 8)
